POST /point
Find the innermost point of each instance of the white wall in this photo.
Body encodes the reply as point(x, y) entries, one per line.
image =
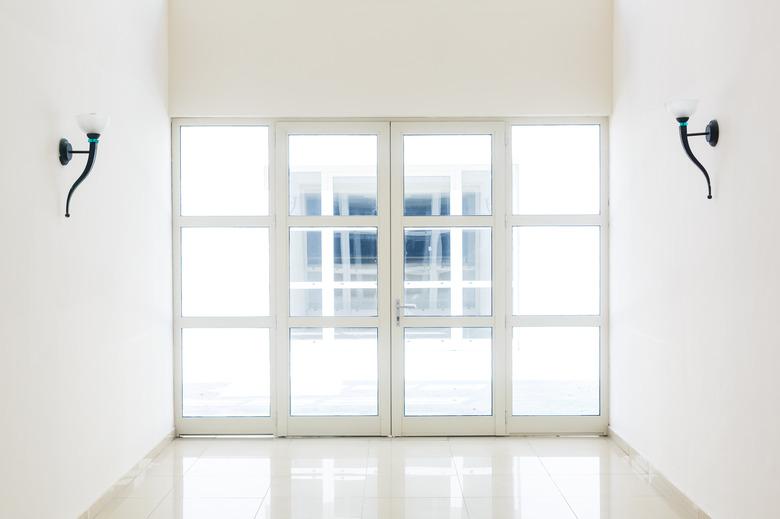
point(85, 313)
point(695, 341)
point(362, 58)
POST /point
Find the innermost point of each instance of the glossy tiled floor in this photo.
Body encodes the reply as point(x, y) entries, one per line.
point(477, 478)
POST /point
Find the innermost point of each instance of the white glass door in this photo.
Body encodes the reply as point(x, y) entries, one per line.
point(377, 278)
point(448, 319)
point(333, 338)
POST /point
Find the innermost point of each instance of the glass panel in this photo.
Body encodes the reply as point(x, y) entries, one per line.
point(555, 169)
point(447, 271)
point(224, 170)
point(333, 372)
point(333, 174)
point(555, 371)
point(226, 372)
point(448, 372)
point(447, 175)
point(333, 271)
point(556, 270)
point(224, 271)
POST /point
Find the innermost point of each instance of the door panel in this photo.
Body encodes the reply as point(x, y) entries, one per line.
point(448, 350)
point(333, 337)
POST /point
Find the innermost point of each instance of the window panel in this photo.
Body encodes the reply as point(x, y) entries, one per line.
point(556, 169)
point(447, 271)
point(555, 371)
point(333, 175)
point(333, 372)
point(333, 271)
point(447, 175)
point(226, 372)
point(224, 271)
point(224, 170)
point(556, 270)
point(448, 371)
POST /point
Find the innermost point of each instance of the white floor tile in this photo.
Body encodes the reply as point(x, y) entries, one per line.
point(319, 486)
point(173, 508)
point(310, 508)
point(573, 446)
point(415, 508)
point(584, 464)
point(187, 446)
point(318, 465)
point(398, 478)
point(222, 486)
point(508, 485)
point(128, 508)
point(329, 448)
point(398, 485)
point(411, 447)
point(148, 487)
point(481, 447)
point(499, 464)
point(619, 507)
point(247, 448)
point(519, 507)
point(620, 485)
point(170, 463)
point(231, 466)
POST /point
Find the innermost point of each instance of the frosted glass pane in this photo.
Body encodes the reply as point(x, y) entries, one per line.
point(224, 271)
point(333, 271)
point(555, 371)
point(333, 372)
point(447, 271)
point(333, 174)
point(556, 270)
point(448, 371)
point(226, 372)
point(555, 169)
point(447, 175)
point(224, 170)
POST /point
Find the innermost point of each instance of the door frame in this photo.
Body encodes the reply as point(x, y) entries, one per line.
point(493, 424)
point(553, 424)
point(219, 425)
point(378, 425)
point(278, 423)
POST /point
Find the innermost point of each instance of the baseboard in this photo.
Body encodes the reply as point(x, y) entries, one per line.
point(644, 468)
point(139, 467)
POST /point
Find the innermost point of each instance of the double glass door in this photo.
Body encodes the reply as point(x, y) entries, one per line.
point(365, 291)
point(390, 301)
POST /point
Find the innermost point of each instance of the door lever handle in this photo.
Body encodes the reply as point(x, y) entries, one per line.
point(398, 308)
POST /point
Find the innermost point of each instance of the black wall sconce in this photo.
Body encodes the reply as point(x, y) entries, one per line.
point(683, 109)
point(93, 125)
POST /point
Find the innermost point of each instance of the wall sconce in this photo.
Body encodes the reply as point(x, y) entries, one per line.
point(683, 109)
point(93, 125)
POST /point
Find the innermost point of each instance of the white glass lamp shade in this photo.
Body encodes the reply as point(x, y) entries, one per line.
point(93, 123)
point(682, 107)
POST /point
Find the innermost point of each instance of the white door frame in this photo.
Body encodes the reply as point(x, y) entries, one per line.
point(390, 287)
point(333, 425)
point(449, 425)
point(218, 425)
point(562, 424)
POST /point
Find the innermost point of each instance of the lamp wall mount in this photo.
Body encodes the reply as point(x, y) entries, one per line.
point(92, 125)
point(711, 134)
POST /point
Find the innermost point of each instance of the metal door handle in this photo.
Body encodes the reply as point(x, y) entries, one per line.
point(398, 308)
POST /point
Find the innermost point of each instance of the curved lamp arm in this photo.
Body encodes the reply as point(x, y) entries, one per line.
point(687, 148)
point(93, 142)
